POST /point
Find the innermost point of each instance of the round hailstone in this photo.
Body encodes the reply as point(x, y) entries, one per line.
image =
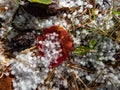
point(54, 46)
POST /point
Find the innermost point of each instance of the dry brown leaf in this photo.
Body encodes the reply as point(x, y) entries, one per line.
point(6, 83)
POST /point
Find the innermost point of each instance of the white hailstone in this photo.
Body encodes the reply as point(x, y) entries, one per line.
point(34, 66)
point(101, 54)
point(58, 76)
point(85, 32)
point(117, 46)
point(56, 72)
point(51, 83)
point(29, 58)
point(101, 63)
point(76, 41)
point(113, 59)
point(65, 83)
point(47, 44)
point(16, 88)
point(96, 11)
point(64, 15)
point(23, 87)
point(46, 70)
point(57, 43)
point(106, 58)
point(34, 87)
point(54, 34)
point(108, 26)
point(71, 4)
point(85, 17)
point(111, 23)
point(40, 42)
point(76, 72)
point(79, 2)
point(115, 78)
point(48, 23)
point(13, 72)
point(77, 21)
point(104, 47)
point(69, 16)
point(88, 78)
point(64, 24)
point(42, 58)
point(38, 80)
point(9, 28)
point(2, 58)
point(25, 69)
point(8, 14)
point(14, 84)
point(74, 13)
point(89, 6)
point(68, 70)
point(63, 64)
point(80, 10)
point(13, 81)
point(78, 32)
point(99, 2)
point(85, 3)
point(20, 64)
point(93, 23)
point(45, 76)
point(111, 75)
point(100, 16)
point(57, 23)
point(63, 4)
point(83, 63)
point(52, 37)
point(2, 16)
point(22, 3)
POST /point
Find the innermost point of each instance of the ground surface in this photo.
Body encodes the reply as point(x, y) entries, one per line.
point(79, 50)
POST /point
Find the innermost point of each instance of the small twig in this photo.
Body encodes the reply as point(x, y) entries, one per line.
point(85, 11)
point(68, 82)
point(50, 75)
point(1, 75)
point(112, 82)
point(86, 88)
point(73, 23)
point(94, 4)
point(80, 68)
point(93, 51)
point(27, 50)
point(75, 81)
point(99, 75)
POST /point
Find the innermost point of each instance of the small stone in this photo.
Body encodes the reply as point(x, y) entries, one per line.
point(22, 41)
point(41, 10)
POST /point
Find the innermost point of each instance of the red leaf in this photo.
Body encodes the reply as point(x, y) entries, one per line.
point(65, 42)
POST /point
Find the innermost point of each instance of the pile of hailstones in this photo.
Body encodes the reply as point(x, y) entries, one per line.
point(54, 45)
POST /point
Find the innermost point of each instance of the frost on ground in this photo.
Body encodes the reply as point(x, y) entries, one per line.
point(94, 63)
